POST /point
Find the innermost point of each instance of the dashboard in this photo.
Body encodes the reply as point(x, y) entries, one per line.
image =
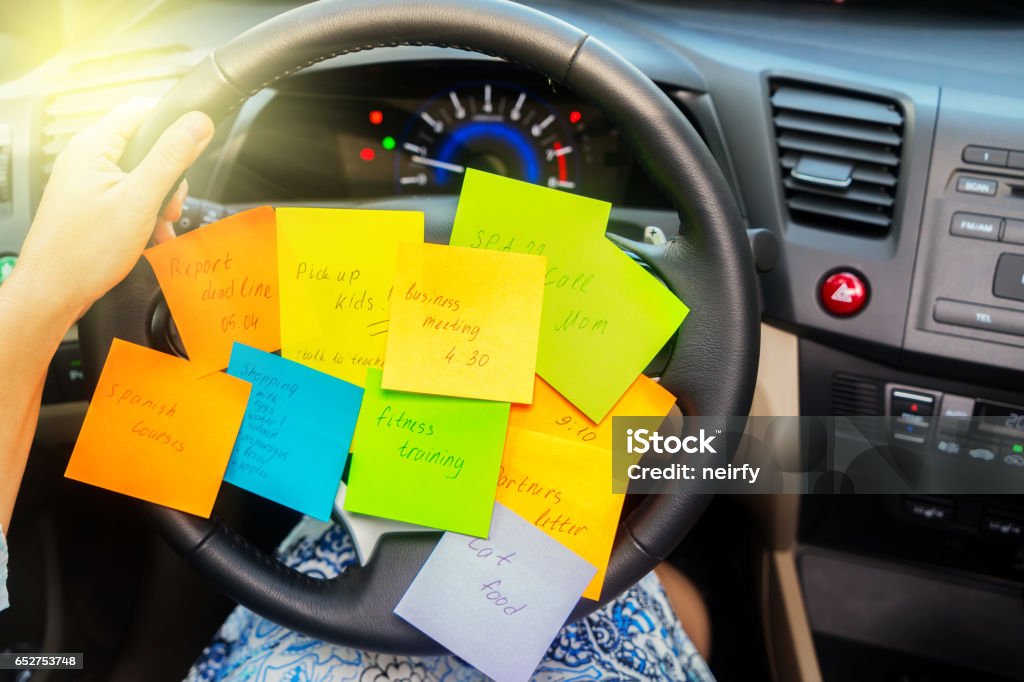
point(883, 143)
point(878, 142)
point(414, 127)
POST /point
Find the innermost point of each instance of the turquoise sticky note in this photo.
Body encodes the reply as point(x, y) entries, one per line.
point(296, 432)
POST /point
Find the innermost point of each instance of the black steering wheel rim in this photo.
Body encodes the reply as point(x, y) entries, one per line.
point(713, 364)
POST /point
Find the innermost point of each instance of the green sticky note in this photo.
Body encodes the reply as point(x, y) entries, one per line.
point(425, 459)
point(604, 317)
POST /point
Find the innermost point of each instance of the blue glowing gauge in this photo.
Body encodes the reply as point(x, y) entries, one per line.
point(495, 127)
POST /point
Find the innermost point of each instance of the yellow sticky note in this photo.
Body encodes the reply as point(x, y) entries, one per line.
point(336, 272)
point(552, 414)
point(220, 282)
point(465, 322)
point(565, 489)
point(159, 428)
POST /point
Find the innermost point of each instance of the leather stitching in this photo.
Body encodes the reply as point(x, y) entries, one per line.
point(572, 57)
point(362, 48)
point(240, 543)
point(227, 79)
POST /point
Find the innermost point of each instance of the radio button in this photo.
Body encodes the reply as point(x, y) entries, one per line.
point(985, 156)
point(969, 185)
point(1013, 231)
point(977, 316)
point(1009, 280)
point(976, 226)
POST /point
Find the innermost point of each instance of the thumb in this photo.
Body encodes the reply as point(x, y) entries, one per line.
point(175, 150)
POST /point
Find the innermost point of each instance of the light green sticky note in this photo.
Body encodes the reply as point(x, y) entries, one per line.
point(425, 459)
point(604, 316)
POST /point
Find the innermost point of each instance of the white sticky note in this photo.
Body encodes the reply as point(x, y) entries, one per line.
point(497, 603)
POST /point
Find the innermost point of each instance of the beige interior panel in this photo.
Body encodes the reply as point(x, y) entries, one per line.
point(783, 614)
point(777, 392)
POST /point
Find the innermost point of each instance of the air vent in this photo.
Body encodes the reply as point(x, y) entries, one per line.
point(859, 401)
point(840, 157)
point(855, 396)
point(67, 113)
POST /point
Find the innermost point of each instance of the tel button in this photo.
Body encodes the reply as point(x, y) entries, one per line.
point(989, 318)
point(844, 294)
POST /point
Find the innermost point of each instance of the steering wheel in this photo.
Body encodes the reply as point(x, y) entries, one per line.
point(712, 366)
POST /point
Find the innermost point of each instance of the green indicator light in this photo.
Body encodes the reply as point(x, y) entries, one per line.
point(388, 142)
point(1018, 449)
point(6, 266)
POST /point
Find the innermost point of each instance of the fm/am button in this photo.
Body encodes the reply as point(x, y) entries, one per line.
point(976, 226)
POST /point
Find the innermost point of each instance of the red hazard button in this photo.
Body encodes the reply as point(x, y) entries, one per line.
point(844, 294)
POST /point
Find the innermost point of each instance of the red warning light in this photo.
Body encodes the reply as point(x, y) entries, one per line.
point(913, 407)
point(376, 117)
point(575, 116)
point(367, 154)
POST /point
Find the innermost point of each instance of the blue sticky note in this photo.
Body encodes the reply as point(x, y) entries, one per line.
point(497, 603)
point(296, 432)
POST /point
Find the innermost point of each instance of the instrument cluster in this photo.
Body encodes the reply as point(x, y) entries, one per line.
point(377, 131)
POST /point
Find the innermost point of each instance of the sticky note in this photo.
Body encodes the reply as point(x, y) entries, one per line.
point(295, 436)
point(159, 428)
point(428, 460)
point(552, 414)
point(565, 489)
point(366, 531)
point(220, 283)
point(496, 603)
point(337, 267)
point(465, 322)
point(605, 317)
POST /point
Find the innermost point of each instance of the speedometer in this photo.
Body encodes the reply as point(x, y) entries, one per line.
point(493, 127)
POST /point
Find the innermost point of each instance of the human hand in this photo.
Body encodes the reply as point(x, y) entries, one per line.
point(94, 219)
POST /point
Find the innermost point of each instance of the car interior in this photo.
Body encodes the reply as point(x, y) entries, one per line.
point(875, 154)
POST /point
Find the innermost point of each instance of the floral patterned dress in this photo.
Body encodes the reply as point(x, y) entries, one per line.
point(635, 637)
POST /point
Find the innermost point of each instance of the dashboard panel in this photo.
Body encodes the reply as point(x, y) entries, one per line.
point(414, 127)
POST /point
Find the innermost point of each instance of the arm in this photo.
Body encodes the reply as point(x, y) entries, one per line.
point(92, 224)
point(35, 328)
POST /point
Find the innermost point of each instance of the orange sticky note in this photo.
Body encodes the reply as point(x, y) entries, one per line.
point(565, 489)
point(159, 428)
point(464, 322)
point(220, 282)
point(552, 414)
